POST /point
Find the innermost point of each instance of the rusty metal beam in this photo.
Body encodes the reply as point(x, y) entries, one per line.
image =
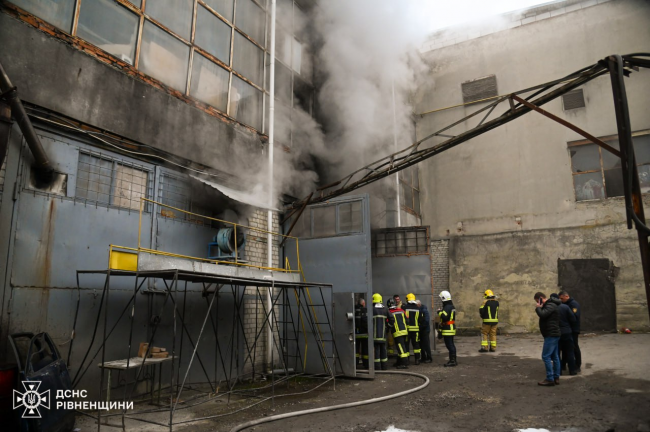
point(293, 224)
point(571, 126)
point(631, 185)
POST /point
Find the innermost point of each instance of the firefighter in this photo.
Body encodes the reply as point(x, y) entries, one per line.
point(397, 324)
point(391, 343)
point(447, 315)
point(361, 333)
point(379, 318)
point(489, 311)
point(413, 320)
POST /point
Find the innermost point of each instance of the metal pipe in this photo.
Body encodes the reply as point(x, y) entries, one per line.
point(399, 208)
point(42, 165)
point(269, 333)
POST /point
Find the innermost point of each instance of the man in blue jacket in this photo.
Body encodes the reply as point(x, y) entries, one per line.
point(567, 324)
point(575, 307)
point(549, 326)
point(425, 333)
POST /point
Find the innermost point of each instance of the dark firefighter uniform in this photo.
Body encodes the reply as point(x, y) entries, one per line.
point(447, 317)
point(413, 319)
point(489, 312)
point(397, 325)
point(361, 333)
point(379, 318)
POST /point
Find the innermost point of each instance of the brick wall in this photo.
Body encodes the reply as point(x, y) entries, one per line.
point(440, 268)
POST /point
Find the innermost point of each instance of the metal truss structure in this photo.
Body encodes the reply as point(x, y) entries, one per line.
point(617, 66)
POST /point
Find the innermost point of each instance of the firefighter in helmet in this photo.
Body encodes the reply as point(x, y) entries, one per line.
point(447, 315)
point(397, 326)
point(413, 320)
point(489, 312)
point(379, 318)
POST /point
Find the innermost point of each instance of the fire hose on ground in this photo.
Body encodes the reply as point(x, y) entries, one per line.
point(341, 406)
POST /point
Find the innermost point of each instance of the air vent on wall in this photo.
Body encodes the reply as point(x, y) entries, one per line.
point(480, 88)
point(574, 99)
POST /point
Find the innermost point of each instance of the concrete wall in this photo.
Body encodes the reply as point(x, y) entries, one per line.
point(522, 170)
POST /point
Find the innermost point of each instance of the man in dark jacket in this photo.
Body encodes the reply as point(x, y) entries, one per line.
point(361, 333)
point(379, 317)
point(549, 325)
point(575, 307)
point(567, 323)
point(425, 333)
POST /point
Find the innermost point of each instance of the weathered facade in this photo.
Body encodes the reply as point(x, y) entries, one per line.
point(128, 101)
point(514, 201)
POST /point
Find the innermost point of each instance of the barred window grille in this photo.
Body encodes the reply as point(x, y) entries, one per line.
point(106, 181)
point(400, 241)
point(176, 192)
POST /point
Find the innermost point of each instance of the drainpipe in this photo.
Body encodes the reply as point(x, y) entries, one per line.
point(269, 241)
point(399, 208)
point(42, 166)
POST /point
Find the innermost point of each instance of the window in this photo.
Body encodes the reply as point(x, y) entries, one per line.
point(400, 241)
point(213, 35)
point(329, 220)
point(164, 57)
point(109, 26)
point(209, 82)
point(574, 99)
point(410, 190)
point(176, 15)
point(597, 173)
point(324, 221)
point(246, 103)
point(176, 192)
point(250, 18)
point(222, 7)
point(59, 13)
point(247, 59)
point(109, 182)
point(350, 218)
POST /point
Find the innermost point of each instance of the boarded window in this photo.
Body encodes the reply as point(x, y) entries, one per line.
point(574, 99)
point(106, 181)
point(480, 88)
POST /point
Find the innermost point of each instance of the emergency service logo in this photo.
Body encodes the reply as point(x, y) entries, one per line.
point(32, 400)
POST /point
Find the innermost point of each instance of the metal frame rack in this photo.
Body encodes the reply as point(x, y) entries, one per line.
point(311, 326)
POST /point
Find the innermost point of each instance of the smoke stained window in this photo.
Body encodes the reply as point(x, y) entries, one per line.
point(59, 13)
point(597, 173)
point(400, 241)
point(247, 59)
point(176, 15)
point(163, 56)
point(350, 217)
point(213, 35)
point(222, 7)
point(110, 27)
point(209, 82)
point(250, 18)
point(409, 180)
point(246, 103)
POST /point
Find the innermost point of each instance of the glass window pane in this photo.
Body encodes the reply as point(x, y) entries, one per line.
point(324, 221)
point(302, 227)
point(246, 103)
point(109, 26)
point(130, 185)
point(589, 186)
point(250, 19)
point(614, 183)
point(176, 15)
point(642, 149)
point(164, 57)
point(644, 178)
point(247, 59)
point(282, 46)
point(307, 65)
point(222, 7)
point(213, 35)
point(609, 160)
point(282, 130)
point(137, 3)
point(299, 22)
point(584, 158)
point(416, 201)
point(284, 13)
point(296, 55)
point(209, 82)
point(282, 83)
point(303, 95)
point(56, 12)
point(350, 219)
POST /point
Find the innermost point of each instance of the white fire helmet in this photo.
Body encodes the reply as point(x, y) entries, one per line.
point(445, 296)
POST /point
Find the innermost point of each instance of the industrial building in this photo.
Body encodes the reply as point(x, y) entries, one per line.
point(173, 180)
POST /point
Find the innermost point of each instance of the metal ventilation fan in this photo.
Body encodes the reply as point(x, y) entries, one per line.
point(223, 244)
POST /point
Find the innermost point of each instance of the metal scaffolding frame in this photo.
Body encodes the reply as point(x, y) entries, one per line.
point(212, 285)
point(617, 66)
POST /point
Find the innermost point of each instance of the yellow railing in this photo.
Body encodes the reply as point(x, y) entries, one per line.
point(122, 258)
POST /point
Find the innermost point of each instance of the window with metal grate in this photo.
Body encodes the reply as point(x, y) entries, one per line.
point(480, 88)
point(574, 99)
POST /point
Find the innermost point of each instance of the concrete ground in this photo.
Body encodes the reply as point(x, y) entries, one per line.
point(486, 392)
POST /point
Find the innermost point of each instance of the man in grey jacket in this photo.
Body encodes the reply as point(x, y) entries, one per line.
point(549, 325)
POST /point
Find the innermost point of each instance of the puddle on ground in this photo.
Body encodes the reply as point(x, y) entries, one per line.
point(392, 428)
point(633, 391)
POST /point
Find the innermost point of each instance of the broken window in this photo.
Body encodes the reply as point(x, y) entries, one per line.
point(250, 19)
point(247, 59)
point(597, 173)
point(176, 15)
point(213, 35)
point(59, 13)
point(109, 26)
point(246, 103)
point(209, 82)
point(410, 190)
point(109, 182)
point(164, 57)
point(222, 7)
